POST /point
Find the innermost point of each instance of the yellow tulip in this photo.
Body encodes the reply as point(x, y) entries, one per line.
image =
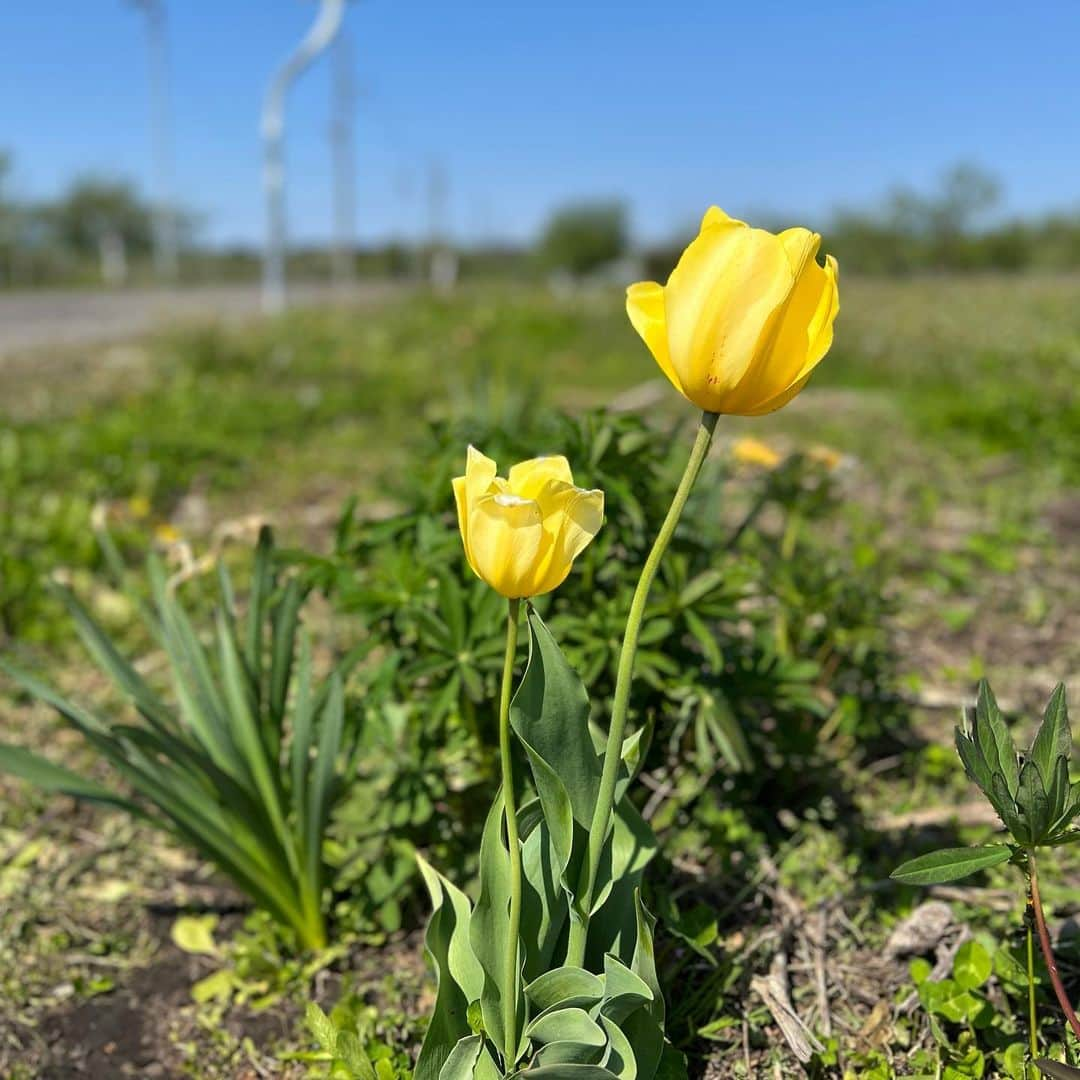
point(750, 451)
point(522, 534)
point(744, 319)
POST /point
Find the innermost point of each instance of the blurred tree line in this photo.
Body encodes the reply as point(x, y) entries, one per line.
point(102, 230)
point(95, 230)
point(952, 228)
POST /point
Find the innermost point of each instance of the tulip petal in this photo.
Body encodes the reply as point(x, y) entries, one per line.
point(572, 517)
point(584, 516)
point(820, 304)
point(720, 297)
point(715, 216)
point(461, 500)
point(528, 478)
point(781, 351)
point(777, 401)
point(645, 306)
point(480, 472)
point(821, 326)
point(505, 537)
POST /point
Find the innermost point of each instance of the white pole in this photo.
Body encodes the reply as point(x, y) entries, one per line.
point(165, 239)
point(343, 148)
point(321, 34)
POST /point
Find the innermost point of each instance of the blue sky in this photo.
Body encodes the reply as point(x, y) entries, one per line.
point(758, 106)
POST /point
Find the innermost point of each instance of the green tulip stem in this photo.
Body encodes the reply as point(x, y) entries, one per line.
point(512, 968)
point(605, 801)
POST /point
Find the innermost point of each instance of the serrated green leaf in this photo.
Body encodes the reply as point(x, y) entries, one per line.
point(992, 736)
point(351, 1052)
point(1059, 795)
point(321, 1027)
point(1053, 740)
point(950, 864)
point(1032, 800)
point(974, 763)
point(1005, 805)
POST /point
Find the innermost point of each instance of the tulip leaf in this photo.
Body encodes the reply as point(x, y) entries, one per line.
point(567, 1052)
point(459, 976)
point(950, 864)
point(550, 715)
point(544, 904)
point(565, 1072)
point(563, 987)
point(572, 1025)
point(620, 1058)
point(489, 932)
point(624, 991)
point(613, 926)
point(461, 1064)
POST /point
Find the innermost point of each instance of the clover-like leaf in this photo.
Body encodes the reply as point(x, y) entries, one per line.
point(972, 965)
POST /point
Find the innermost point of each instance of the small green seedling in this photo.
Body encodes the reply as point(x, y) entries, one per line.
point(1037, 801)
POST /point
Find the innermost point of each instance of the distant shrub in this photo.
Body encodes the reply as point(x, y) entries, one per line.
point(583, 237)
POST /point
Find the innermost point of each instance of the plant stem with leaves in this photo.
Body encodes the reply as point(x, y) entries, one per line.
point(1044, 943)
point(601, 821)
point(1033, 1019)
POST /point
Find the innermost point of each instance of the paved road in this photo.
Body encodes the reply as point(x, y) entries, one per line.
point(33, 319)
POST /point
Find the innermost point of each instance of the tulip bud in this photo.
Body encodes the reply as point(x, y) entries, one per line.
point(744, 319)
point(522, 534)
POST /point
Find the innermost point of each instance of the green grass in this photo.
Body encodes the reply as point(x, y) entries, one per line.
point(954, 400)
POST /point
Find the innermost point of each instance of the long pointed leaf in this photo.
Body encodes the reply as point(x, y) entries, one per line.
point(283, 648)
point(262, 582)
point(321, 788)
point(42, 773)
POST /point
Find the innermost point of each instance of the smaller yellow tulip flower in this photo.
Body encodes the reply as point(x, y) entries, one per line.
point(522, 534)
point(750, 451)
point(744, 319)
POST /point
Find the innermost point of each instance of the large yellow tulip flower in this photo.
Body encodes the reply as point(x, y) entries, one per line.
point(744, 319)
